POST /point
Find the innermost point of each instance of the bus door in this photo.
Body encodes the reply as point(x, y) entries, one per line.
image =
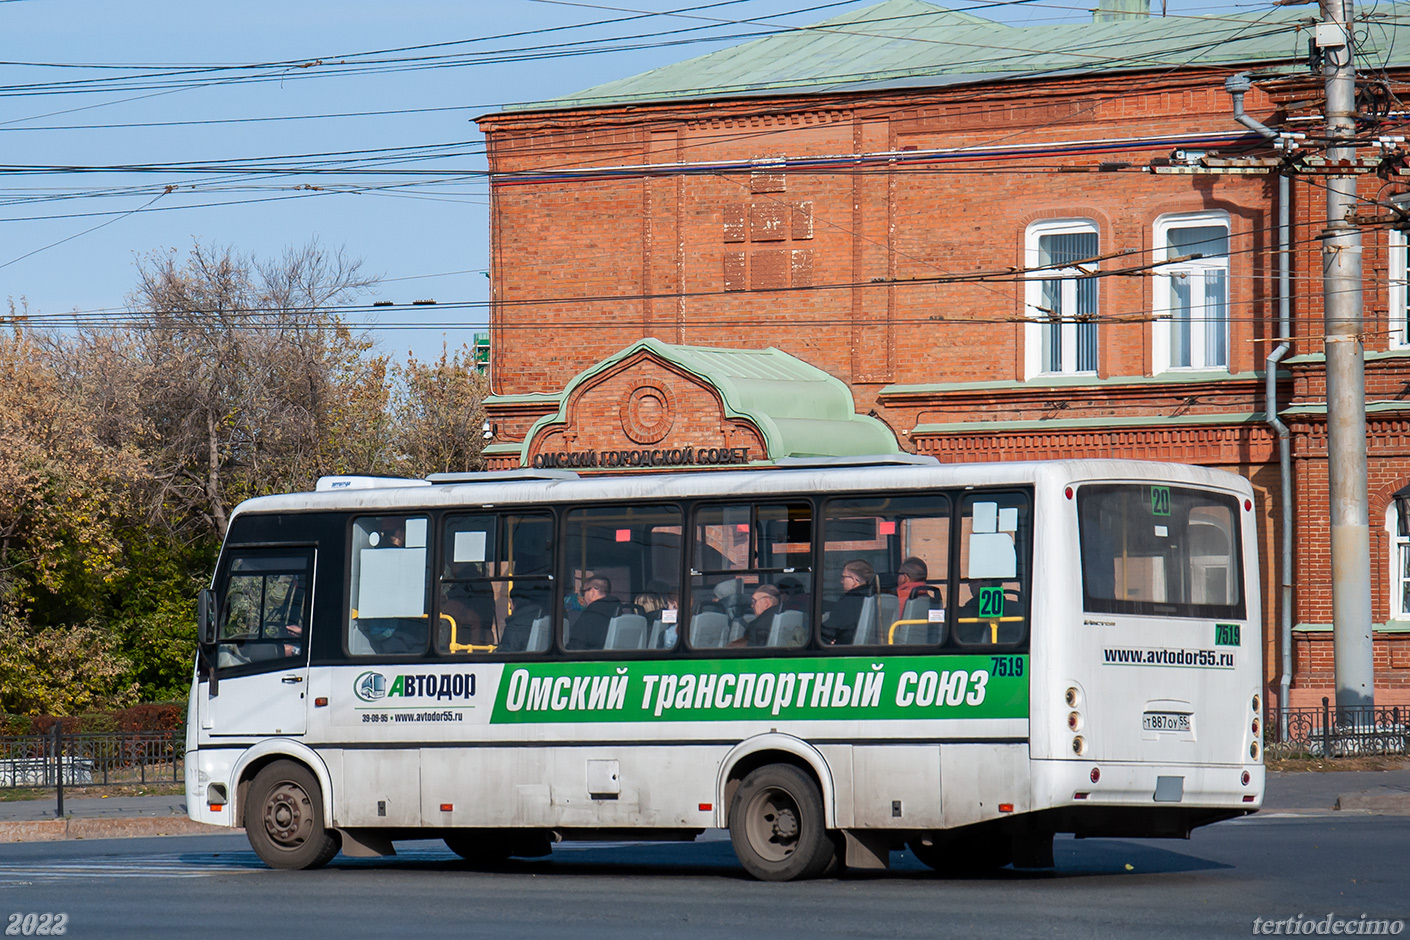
point(1165, 658)
point(265, 602)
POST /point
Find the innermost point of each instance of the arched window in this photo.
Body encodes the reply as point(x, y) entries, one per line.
point(1192, 291)
point(1061, 297)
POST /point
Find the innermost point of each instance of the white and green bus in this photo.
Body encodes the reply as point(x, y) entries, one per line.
point(833, 659)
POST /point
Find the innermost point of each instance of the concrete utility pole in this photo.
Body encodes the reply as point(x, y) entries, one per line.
point(1346, 379)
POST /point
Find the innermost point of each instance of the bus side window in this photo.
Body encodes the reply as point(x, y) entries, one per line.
point(468, 618)
point(390, 586)
point(736, 550)
point(264, 608)
point(995, 535)
point(886, 569)
point(615, 556)
point(496, 585)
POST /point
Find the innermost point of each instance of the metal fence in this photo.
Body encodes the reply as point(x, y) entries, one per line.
point(1329, 731)
point(46, 760)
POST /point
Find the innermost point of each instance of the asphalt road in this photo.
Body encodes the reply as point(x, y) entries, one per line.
point(1269, 866)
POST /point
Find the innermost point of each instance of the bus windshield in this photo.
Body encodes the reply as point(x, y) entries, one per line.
point(1162, 551)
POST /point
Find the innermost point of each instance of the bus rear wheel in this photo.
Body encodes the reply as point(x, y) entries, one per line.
point(284, 818)
point(776, 825)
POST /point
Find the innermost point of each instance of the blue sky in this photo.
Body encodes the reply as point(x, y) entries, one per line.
point(426, 236)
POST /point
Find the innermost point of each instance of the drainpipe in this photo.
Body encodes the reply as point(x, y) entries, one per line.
point(1236, 86)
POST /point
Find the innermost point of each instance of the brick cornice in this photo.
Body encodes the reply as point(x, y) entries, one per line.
point(1150, 394)
point(1219, 445)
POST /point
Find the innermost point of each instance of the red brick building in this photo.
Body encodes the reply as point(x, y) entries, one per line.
point(1008, 243)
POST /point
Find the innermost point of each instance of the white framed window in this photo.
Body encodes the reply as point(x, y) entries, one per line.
point(1061, 297)
point(1396, 291)
point(1398, 528)
point(1191, 293)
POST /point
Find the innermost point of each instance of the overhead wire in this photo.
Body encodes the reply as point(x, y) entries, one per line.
point(343, 169)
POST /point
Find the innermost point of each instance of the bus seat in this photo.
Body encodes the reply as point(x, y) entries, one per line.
point(911, 634)
point(926, 631)
point(731, 597)
point(538, 635)
point(917, 608)
point(626, 632)
point(709, 629)
point(737, 627)
point(663, 634)
point(889, 611)
point(789, 629)
point(358, 642)
point(866, 622)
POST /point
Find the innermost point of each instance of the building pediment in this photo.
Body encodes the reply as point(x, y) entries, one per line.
point(659, 405)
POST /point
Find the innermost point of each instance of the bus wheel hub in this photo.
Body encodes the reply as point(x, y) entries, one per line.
point(785, 825)
point(283, 814)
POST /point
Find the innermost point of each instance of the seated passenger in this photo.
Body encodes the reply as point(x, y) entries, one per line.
point(858, 578)
point(911, 575)
point(650, 603)
point(527, 604)
point(398, 635)
point(767, 601)
point(589, 631)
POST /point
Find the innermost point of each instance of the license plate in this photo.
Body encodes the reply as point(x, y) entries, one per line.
point(1165, 721)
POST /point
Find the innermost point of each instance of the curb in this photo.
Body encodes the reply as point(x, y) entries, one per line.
point(57, 830)
point(1381, 801)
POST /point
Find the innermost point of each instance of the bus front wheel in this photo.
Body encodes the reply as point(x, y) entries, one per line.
point(776, 825)
point(284, 818)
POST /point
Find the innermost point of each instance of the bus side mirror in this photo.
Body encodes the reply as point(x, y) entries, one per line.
point(205, 617)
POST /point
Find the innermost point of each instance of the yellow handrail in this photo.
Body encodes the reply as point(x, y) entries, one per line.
point(993, 624)
point(464, 647)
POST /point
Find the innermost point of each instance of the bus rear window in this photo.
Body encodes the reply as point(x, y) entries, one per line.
point(1160, 551)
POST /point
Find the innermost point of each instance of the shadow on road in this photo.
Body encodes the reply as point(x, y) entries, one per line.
point(1075, 858)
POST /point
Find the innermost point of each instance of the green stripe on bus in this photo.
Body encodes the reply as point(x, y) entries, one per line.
point(853, 688)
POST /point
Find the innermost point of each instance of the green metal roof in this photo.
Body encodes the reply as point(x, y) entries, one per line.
point(911, 43)
point(800, 409)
